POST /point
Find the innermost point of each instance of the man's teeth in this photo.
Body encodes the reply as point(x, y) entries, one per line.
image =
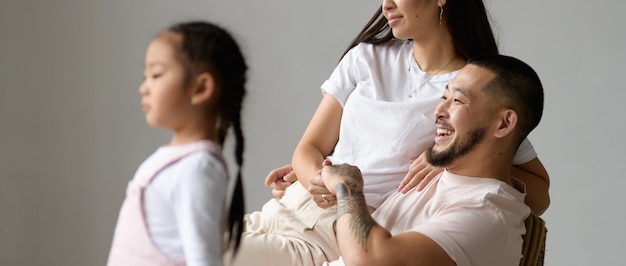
point(441, 131)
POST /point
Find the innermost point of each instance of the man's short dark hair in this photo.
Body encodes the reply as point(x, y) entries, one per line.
point(516, 86)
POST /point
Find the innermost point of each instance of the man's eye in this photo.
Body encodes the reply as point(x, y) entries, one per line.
point(457, 101)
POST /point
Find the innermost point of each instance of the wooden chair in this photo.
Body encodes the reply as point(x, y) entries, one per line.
point(534, 247)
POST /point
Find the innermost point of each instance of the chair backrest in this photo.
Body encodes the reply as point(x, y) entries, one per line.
point(534, 247)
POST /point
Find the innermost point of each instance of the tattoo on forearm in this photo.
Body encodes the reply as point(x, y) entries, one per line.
point(350, 200)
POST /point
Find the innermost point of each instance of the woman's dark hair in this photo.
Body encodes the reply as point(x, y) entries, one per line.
point(467, 22)
point(209, 48)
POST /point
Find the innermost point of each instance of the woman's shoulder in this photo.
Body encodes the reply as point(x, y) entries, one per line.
point(391, 48)
point(393, 44)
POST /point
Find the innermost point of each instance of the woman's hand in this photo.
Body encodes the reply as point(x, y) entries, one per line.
point(282, 177)
point(319, 193)
point(279, 179)
point(420, 174)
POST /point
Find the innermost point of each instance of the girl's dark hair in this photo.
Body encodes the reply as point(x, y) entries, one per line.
point(467, 22)
point(209, 48)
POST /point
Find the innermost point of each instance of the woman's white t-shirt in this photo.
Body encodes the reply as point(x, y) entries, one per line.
point(388, 114)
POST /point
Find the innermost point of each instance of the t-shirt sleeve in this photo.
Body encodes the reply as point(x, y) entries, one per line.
point(337, 262)
point(199, 200)
point(344, 78)
point(525, 153)
point(466, 232)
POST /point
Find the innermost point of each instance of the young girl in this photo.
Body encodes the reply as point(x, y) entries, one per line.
point(174, 209)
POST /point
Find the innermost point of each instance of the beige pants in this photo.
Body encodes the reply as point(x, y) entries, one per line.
point(291, 231)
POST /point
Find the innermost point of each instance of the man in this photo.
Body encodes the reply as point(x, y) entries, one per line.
point(471, 214)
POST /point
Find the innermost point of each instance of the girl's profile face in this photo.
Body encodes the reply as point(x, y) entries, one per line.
point(164, 99)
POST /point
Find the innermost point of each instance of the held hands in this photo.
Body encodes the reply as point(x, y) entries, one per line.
point(279, 179)
point(320, 193)
point(420, 174)
point(341, 173)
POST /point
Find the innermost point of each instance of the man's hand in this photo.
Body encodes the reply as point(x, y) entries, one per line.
point(420, 174)
point(279, 179)
point(341, 173)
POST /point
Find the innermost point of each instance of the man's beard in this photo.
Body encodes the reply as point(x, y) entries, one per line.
point(459, 148)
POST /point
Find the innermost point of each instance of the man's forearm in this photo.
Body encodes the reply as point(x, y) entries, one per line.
point(361, 240)
point(351, 202)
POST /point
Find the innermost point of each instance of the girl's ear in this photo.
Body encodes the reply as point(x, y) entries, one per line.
point(507, 123)
point(203, 89)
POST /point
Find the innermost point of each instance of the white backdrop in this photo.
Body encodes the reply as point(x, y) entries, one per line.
point(72, 132)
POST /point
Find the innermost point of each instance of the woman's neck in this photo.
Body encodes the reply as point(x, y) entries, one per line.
point(437, 55)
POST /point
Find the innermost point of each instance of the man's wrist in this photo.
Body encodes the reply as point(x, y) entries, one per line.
point(351, 201)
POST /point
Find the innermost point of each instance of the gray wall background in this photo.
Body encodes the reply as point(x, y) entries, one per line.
point(72, 132)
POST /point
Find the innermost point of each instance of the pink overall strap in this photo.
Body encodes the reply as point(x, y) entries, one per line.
point(188, 149)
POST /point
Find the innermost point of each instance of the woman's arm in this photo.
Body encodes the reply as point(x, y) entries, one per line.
point(537, 181)
point(317, 142)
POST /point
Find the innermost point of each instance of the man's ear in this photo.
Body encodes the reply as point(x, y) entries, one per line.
point(203, 89)
point(507, 122)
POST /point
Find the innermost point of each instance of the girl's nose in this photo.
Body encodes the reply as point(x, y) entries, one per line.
point(143, 89)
